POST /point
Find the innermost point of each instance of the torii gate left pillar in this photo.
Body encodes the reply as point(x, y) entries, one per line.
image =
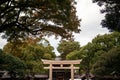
point(50, 72)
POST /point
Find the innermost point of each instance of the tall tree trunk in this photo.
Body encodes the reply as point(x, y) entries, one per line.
point(87, 74)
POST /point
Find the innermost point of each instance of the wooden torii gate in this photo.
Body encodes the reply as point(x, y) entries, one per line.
point(61, 63)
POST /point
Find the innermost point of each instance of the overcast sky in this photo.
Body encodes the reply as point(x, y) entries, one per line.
point(90, 25)
point(91, 18)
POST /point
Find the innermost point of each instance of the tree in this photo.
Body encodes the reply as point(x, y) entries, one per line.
point(108, 63)
point(21, 18)
point(35, 46)
point(98, 46)
point(91, 52)
point(14, 48)
point(74, 55)
point(107, 41)
point(31, 51)
point(32, 55)
point(88, 55)
point(65, 47)
point(14, 65)
point(112, 14)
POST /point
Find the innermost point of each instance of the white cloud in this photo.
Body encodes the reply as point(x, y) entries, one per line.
point(2, 42)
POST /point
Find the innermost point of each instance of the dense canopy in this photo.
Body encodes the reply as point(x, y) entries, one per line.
point(21, 18)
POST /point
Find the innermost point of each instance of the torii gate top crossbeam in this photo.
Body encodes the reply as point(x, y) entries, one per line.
point(61, 62)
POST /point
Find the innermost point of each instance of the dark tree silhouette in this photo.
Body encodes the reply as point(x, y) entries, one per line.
point(112, 14)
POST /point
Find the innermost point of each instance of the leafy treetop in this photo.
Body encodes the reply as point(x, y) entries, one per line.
point(21, 18)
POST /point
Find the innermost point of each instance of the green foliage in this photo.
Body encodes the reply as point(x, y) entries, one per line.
point(112, 14)
point(65, 47)
point(108, 63)
point(107, 41)
point(92, 52)
point(87, 56)
point(31, 51)
point(74, 55)
point(12, 64)
point(23, 18)
point(14, 48)
point(98, 47)
point(47, 56)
